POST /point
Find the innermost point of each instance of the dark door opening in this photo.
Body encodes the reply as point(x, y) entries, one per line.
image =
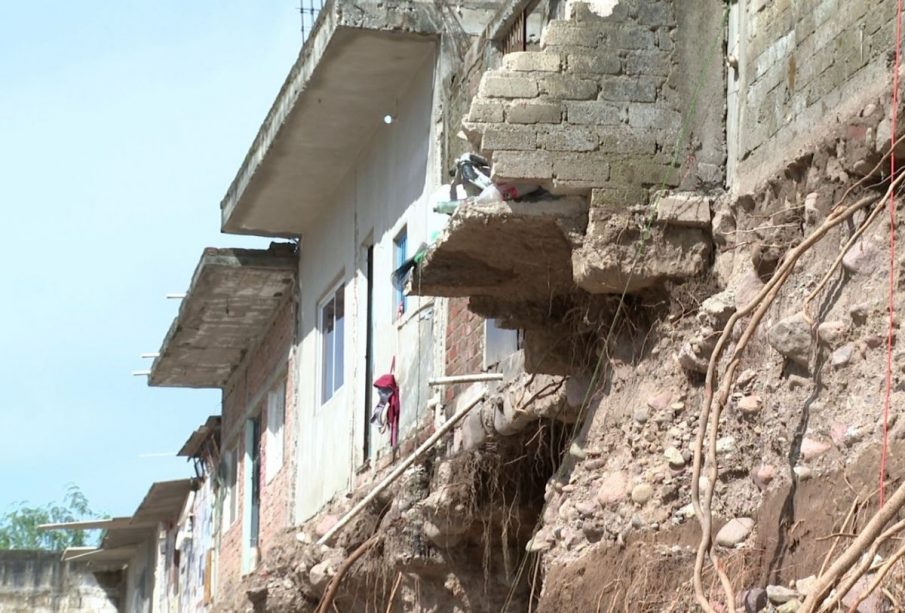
point(255, 482)
point(369, 351)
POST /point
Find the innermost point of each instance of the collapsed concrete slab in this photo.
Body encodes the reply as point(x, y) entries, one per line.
point(627, 249)
point(506, 250)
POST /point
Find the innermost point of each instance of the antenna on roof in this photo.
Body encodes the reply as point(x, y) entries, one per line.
point(308, 10)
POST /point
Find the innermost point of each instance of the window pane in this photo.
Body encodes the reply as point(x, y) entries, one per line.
point(400, 255)
point(338, 337)
point(328, 334)
point(276, 417)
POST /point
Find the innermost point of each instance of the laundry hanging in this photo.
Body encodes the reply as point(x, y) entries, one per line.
point(401, 274)
point(388, 407)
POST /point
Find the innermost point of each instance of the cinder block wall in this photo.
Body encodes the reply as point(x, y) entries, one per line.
point(242, 398)
point(602, 104)
point(39, 581)
point(803, 67)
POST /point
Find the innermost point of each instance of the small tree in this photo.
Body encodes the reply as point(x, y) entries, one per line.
point(19, 527)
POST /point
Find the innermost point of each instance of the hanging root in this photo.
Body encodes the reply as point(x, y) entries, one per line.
point(881, 574)
point(333, 587)
point(708, 422)
point(868, 541)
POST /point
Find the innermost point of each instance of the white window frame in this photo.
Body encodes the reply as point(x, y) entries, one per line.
point(323, 395)
point(275, 432)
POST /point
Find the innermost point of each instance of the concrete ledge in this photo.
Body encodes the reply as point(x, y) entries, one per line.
point(510, 250)
point(351, 70)
point(232, 298)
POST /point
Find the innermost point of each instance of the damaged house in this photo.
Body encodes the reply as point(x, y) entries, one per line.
point(625, 278)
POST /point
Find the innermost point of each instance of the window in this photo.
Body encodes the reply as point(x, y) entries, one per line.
point(228, 469)
point(332, 314)
point(251, 503)
point(499, 343)
point(276, 418)
point(400, 255)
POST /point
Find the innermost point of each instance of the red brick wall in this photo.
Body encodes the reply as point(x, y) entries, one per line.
point(464, 343)
point(276, 495)
point(249, 384)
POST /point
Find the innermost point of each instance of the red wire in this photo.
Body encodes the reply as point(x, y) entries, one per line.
point(892, 254)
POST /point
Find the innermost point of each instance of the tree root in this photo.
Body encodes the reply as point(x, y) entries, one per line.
point(869, 540)
point(330, 595)
point(708, 422)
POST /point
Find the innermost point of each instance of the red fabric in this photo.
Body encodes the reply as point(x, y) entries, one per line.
point(389, 382)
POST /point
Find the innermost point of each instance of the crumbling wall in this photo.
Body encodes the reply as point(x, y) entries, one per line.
point(39, 582)
point(617, 105)
point(601, 105)
point(797, 70)
point(799, 438)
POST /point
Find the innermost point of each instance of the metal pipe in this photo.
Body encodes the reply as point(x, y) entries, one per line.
point(141, 373)
point(394, 474)
point(149, 356)
point(484, 376)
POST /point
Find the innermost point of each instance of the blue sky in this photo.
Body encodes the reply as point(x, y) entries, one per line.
point(122, 124)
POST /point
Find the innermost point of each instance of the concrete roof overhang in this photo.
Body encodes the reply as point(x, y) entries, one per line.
point(209, 429)
point(163, 502)
point(351, 72)
point(231, 300)
point(123, 535)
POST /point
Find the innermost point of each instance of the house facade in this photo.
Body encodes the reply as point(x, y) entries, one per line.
point(626, 125)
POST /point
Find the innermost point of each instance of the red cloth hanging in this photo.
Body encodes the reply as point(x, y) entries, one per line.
point(388, 382)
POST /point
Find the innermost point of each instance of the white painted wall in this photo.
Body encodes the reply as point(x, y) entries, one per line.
point(387, 189)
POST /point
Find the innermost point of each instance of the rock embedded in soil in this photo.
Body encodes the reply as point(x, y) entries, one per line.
point(798, 382)
point(842, 356)
point(792, 338)
point(763, 475)
point(717, 309)
point(804, 586)
point(674, 457)
point(749, 405)
point(812, 448)
point(780, 594)
point(754, 599)
point(642, 492)
point(641, 415)
point(725, 444)
point(803, 473)
point(861, 258)
point(612, 488)
point(789, 607)
point(831, 333)
point(541, 541)
point(859, 312)
point(577, 452)
point(734, 532)
point(659, 401)
point(745, 378)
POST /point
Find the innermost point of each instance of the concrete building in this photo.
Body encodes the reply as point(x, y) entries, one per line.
point(129, 558)
point(656, 132)
point(234, 332)
point(40, 582)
